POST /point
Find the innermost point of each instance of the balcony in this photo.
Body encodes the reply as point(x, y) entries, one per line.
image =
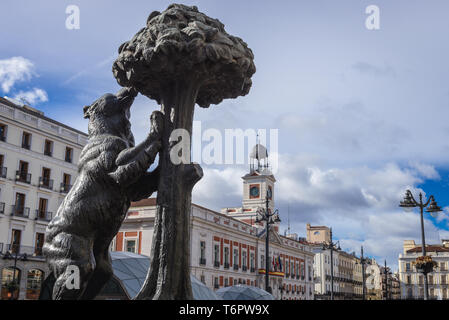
point(252, 269)
point(22, 176)
point(65, 187)
point(68, 159)
point(13, 249)
point(216, 286)
point(3, 138)
point(48, 153)
point(226, 265)
point(236, 266)
point(43, 215)
point(20, 211)
point(202, 261)
point(3, 172)
point(244, 268)
point(46, 183)
point(216, 264)
point(2, 208)
point(26, 145)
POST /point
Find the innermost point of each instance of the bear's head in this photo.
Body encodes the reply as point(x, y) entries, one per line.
point(110, 114)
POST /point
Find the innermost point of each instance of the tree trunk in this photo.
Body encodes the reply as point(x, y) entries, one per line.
point(169, 274)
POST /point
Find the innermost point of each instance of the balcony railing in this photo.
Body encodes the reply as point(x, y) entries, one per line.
point(216, 286)
point(65, 187)
point(68, 159)
point(202, 261)
point(43, 215)
point(48, 153)
point(3, 172)
point(244, 268)
point(3, 138)
point(46, 183)
point(216, 264)
point(236, 266)
point(20, 211)
point(26, 145)
point(252, 269)
point(2, 208)
point(226, 265)
point(14, 249)
point(23, 176)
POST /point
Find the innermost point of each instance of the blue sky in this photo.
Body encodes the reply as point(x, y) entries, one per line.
point(362, 114)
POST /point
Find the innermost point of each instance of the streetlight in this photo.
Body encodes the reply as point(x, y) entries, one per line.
point(363, 262)
point(8, 256)
point(269, 218)
point(387, 272)
point(331, 246)
point(410, 202)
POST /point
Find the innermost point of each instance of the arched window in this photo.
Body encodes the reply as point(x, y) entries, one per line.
point(34, 282)
point(10, 283)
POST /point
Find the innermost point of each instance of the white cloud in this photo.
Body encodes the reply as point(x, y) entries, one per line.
point(13, 70)
point(32, 97)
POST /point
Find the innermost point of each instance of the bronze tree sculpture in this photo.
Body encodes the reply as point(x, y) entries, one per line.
point(180, 58)
point(112, 172)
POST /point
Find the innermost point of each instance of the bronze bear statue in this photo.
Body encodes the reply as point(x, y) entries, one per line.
point(112, 172)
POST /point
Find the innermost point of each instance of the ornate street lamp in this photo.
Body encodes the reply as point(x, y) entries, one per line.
point(332, 246)
point(269, 218)
point(363, 262)
point(423, 264)
point(8, 256)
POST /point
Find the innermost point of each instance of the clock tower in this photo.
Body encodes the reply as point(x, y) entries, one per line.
point(258, 185)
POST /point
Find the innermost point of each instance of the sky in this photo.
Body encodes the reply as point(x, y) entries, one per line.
point(361, 114)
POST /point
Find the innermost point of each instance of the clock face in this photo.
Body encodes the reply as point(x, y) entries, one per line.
point(269, 193)
point(254, 191)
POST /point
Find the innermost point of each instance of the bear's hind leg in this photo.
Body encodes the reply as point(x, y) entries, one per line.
point(73, 262)
point(102, 273)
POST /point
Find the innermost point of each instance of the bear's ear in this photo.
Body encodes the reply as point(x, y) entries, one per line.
point(86, 112)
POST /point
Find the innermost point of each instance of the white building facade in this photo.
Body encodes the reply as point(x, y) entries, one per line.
point(412, 282)
point(38, 164)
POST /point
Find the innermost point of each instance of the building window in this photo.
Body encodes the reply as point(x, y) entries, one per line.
point(407, 267)
point(26, 140)
point(226, 282)
point(236, 258)
point(216, 255)
point(244, 258)
point(16, 236)
point(262, 262)
point(202, 252)
point(39, 244)
point(34, 282)
point(226, 257)
point(3, 170)
point(3, 130)
point(68, 154)
point(48, 147)
point(216, 286)
point(131, 246)
point(65, 185)
point(22, 174)
point(409, 279)
point(251, 261)
point(45, 181)
point(42, 211)
point(9, 277)
point(203, 279)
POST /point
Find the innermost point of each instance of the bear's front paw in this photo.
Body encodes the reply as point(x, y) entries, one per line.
point(157, 122)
